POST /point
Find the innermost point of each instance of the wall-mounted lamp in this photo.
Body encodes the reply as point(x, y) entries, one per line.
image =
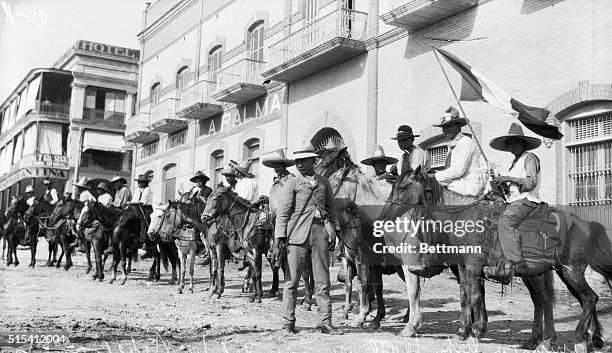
point(548, 142)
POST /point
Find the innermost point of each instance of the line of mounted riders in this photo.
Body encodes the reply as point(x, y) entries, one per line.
point(522, 235)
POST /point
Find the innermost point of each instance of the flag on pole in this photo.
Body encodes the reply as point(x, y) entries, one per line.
point(476, 87)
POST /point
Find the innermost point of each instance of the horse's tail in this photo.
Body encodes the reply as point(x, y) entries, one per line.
point(599, 250)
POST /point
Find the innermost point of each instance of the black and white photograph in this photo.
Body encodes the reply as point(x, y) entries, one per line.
point(306, 176)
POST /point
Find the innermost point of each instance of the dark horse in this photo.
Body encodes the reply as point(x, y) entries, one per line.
point(62, 222)
point(14, 229)
point(587, 244)
point(36, 218)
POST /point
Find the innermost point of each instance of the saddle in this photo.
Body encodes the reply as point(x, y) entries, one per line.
point(543, 235)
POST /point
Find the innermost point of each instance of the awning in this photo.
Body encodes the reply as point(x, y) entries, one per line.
point(103, 141)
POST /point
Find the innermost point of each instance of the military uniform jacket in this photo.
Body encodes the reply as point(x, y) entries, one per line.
point(276, 190)
point(294, 215)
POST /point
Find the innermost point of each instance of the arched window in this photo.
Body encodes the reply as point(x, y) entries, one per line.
point(169, 182)
point(251, 151)
point(149, 175)
point(155, 93)
point(255, 41)
point(214, 63)
point(180, 82)
point(217, 158)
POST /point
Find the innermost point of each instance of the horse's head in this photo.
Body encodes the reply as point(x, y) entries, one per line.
point(17, 207)
point(34, 209)
point(333, 160)
point(88, 214)
point(416, 188)
point(220, 202)
point(68, 208)
point(162, 221)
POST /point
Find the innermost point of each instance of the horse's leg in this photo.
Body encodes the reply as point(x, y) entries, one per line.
point(380, 302)
point(213, 268)
point(33, 245)
point(463, 332)
point(123, 254)
point(66, 249)
point(183, 268)
point(9, 254)
point(88, 256)
point(257, 276)
point(58, 247)
point(174, 261)
point(192, 254)
point(477, 301)
point(535, 285)
point(98, 245)
point(275, 279)
point(363, 276)
point(573, 277)
point(54, 246)
point(50, 261)
point(116, 259)
point(348, 286)
point(413, 289)
point(220, 271)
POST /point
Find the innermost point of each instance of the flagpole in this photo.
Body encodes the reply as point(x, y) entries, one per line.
point(461, 108)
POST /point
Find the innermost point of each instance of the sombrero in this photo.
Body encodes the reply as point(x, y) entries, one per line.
point(198, 176)
point(29, 188)
point(305, 151)
point(228, 171)
point(142, 178)
point(118, 178)
point(104, 186)
point(82, 183)
point(379, 155)
point(451, 116)
point(404, 131)
point(277, 160)
point(331, 145)
point(243, 168)
point(515, 131)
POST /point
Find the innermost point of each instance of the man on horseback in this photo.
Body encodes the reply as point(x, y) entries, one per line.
point(306, 203)
point(50, 194)
point(523, 182)
point(142, 205)
point(379, 161)
point(200, 190)
point(104, 196)
point(246, 186)
point(29, 195)
point(413, 156)
point(122, 192)
point(230, 178)
point(463, 173)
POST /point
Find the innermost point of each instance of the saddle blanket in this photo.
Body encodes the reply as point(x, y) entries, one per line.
point(543, 235)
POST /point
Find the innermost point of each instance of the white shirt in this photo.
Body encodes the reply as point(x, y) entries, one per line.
point(86, 196)
point(247, 188)
point(105, 199)
point(53, 194)
point(465, 174)
point(143, 195)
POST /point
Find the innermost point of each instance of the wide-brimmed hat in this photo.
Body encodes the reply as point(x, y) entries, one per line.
point(331, 145)
point(228, 171)
point(29, 188)
point(404, 131)
point(199, 175)
point(451, 116)
point(379, 155)
point(304, 151)
point(104, 186)
point(277, 160)
point(515, 131)
point(82, 183)
point(142, 178)
point(243, 167)
point(47, 181)
point(118, 178)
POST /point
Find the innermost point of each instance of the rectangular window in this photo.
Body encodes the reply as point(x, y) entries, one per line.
point(217, 159)
point(437, 156)
point(256, 45)
point(177, 139)
point(251, 152)
point(214, 64)
point(590, 169)
point(149, 149)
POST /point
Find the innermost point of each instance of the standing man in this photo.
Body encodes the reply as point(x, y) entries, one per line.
point(246, 186)
point(463, 171)
point(122, 192)
point(142, 205)
point(200, 190)
point(523, 181)
point(50, 194)
point(305, 202)
point(412, 156)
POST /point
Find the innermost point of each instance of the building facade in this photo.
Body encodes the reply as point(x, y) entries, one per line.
point(68, 121)
point(237, 79)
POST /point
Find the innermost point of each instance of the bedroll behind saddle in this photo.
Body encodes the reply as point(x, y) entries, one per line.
point(543, 234)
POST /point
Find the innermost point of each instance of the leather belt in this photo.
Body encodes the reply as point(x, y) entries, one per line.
point(317, 220)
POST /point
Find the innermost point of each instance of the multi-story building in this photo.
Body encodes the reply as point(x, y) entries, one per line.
point(68, 121)
point(236, 79)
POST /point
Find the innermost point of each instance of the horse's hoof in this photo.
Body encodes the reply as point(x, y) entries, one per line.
point(457, 337)
point(374, 325)
point(251, 299)
point(272, 294)
point(358, 322)
point(87, 271)
point(216, 296)
point(530, 345)
point(408, 332)
point(100, 279)
point(180, 291)
point(191, 290)
point(111, 281)
point(258, 299)
point(48, 264)
point(58, 265)
point(16, 263)
point(122, 282)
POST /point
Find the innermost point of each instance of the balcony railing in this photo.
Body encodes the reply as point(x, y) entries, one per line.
point(163, 110)
point(197, 93)
point(103, 115)
point(415, 14)
point(245, 71)
point(342, 23)
point(177, 139)
point(55, 109)
point(149, 150)
point(108, 163)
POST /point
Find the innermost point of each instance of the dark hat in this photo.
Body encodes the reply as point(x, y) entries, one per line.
point(515, 131)
point(47, 181)
point(404, 131)
point(143, 178)
point(277, 160)
point(199, 175)
point(451, 116)
point(104, 186)
point(243, 167)
point(379, 155)
point(118, 178)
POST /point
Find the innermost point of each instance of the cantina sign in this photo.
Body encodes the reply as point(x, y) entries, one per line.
point(107, 49)
point(268, 106)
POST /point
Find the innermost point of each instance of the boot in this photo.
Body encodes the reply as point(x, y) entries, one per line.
point(505, 270)
point(329, 329)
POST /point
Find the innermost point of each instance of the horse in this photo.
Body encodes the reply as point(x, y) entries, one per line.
point(113, 220)
point(14, 228)
point(36, 217)
point(168, 223)
point(3, 237)
point(62, 223)
point(587, 244)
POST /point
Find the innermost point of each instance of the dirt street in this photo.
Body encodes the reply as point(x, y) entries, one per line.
point(152, 317)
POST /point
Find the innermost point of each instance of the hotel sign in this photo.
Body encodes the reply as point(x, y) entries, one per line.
point(26, 173)
point(266, 107)
point(99, 48)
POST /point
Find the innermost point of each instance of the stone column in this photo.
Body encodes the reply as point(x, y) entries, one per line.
point(77, 100)
point(129, 103)
point(372, 100)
